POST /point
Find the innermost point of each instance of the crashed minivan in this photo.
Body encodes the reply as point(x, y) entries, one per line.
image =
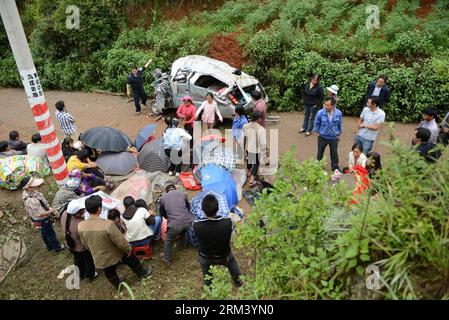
point(196, 76)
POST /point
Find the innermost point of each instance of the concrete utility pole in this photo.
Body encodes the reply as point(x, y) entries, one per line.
point(33, 89)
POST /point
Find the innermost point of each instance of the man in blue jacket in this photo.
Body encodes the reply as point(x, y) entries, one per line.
point(328, 126)
point(380, 90)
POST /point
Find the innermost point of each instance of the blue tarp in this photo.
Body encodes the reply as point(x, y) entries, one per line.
point(215, 178)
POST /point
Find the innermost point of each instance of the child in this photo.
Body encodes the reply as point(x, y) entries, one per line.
point(40, 212)
point(114, 216)
point(83, 182)
point(173, 145)
point(356, 156)
point(209, 109)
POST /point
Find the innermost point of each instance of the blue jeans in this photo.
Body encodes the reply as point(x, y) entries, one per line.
point(366, 144)
point(309, 117)
point(49, 235)
point(156, 227)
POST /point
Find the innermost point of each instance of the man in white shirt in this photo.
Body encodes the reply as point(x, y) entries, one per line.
point(369, 124)
point(37, 149)
point(430, 123)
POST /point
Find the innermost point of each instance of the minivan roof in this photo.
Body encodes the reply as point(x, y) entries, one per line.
point(208, 66)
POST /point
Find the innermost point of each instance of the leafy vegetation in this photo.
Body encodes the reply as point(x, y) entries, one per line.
point(284, 41)
point(316, 245)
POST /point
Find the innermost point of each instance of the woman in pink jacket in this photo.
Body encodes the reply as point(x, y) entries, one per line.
point(209, 108)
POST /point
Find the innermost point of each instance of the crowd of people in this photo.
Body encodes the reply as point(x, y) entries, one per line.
point(98, 243)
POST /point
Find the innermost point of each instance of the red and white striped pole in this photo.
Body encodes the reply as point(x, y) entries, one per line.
point(33, 88)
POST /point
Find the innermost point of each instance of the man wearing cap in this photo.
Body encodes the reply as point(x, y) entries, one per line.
point(40, 212)
point(82, 258)
point(175, 207)
point(430, 123)
point(370, 121)
point(186, 113)
point(107, 244)
point(135, 83)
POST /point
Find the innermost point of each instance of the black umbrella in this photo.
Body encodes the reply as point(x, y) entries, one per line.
point(106, 139)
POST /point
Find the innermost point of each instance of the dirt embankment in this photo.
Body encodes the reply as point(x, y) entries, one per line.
point(225, 47)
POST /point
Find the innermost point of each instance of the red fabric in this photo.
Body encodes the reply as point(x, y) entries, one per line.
point(189, 182)
point(362, 182)
point(187, 112)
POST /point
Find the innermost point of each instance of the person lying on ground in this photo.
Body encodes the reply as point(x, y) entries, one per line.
point(37, 149)
point(5, 151)
point(16, 144)
point(140, 223)
point(175, 207)
point(214, 236)
point(115, 216)
point(82, 258)
point(40, 212)
point(107, 245)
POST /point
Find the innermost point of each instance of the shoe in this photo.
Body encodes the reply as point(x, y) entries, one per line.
point(302, 131)
point(177, 174)
point(308, 134)
point(170, 173)
point(163, 259)
point(145, 273)
point(137, 113)
point(60, 249)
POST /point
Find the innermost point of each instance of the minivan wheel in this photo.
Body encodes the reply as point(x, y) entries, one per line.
point(153, 108)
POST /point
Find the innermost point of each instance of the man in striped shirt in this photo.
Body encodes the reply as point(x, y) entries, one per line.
point(65, 119)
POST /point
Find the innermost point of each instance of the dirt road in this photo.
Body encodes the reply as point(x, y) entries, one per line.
point(92, 109)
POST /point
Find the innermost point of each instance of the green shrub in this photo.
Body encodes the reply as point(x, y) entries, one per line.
point(9, 75)
point(315, 245)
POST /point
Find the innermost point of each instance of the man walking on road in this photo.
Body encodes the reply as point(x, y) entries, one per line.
point(135, 83)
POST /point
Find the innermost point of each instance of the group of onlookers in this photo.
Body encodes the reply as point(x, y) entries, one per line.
point(327, 123)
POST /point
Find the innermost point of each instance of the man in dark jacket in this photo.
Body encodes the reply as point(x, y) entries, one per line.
point(424, 147)
point(312, 96)
point(175, 207)
point(135, 83)
point(379, 89)
point(214, 236)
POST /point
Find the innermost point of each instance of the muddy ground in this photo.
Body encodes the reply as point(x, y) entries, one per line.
point(36, 276)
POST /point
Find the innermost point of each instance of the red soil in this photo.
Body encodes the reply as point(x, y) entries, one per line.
point(425, 8)
point(390, 5)
point(225, 47)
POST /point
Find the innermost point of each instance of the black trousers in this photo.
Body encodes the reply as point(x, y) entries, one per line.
point(85, 263)
point(230, 262)
point(139, 95)
point(174, 165)
point(132, 262)
point(333, 145)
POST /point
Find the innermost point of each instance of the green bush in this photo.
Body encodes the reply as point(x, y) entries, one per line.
point(316, 245)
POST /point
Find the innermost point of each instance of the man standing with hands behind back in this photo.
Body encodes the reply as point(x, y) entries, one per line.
point(135, 83)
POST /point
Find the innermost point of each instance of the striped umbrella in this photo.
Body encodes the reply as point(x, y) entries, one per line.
point(152, 157)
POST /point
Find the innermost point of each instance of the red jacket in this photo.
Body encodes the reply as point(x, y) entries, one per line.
point(187, 112)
